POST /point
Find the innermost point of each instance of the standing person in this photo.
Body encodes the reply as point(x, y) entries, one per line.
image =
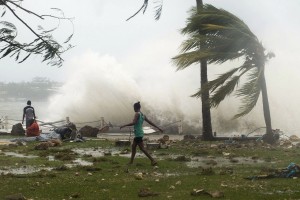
point(28, 113)
point(137, 122)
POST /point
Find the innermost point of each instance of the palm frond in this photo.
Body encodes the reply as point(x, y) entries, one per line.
point(249, 93)
point(158, 9)
point(144, 6)
point(210, 20)
point(219, 34)
point(218, 82)
point(223, 91)
point(211, 86)
point(186, 59)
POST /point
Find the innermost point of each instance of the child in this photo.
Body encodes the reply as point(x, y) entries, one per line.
point(137, 122)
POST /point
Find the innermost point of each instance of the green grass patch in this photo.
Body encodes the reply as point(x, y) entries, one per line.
point(109, 176)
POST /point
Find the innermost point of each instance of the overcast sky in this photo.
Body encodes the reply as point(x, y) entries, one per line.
point(132, 59)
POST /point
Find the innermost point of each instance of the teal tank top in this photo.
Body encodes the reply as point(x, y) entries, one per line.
point(138, 127)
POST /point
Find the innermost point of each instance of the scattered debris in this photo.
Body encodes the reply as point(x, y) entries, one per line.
point(226, 170)
point(207, 171)
point(153, 145)
point(214, 194)
point(46, 145)
point(75, 196)
point(121, 143)
point(146, 192)
point(294, 138)
point(197, 192)
point(178, 183)
point(138, 176)
point(17, 129)
point(172, 187)
point(15, 197)
point(88, 131)
point(189, 137)
point(291, 171)
point(164, 142)
point(211, 162)
point(182, 159)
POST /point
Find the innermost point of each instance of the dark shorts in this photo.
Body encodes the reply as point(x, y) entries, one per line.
point(138, 139)
point(28, 122)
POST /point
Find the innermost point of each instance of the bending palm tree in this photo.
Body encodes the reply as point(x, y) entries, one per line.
point(225, 37)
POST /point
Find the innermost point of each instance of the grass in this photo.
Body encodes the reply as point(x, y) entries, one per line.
point(110, 178)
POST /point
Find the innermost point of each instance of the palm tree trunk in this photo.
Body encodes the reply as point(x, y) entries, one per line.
point(269, 137)
point(206, 116)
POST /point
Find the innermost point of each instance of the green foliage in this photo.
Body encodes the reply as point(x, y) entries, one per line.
point(43, 45)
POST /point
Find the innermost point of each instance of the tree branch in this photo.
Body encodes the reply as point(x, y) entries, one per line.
point(38, 36)
point(143, 6)
point(24, 9)
point(15, 44)
point(57, 17)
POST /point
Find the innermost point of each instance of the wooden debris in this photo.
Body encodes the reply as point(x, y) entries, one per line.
point(153, 145)
point(121, 143)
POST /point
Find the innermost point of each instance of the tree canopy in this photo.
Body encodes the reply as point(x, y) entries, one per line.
point(224, 37)
point(43, 43)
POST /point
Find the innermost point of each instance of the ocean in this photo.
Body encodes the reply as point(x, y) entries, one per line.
point(13, 110)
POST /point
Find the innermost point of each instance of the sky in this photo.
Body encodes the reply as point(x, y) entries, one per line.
point(115, 62)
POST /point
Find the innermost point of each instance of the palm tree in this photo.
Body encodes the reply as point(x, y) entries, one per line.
point(206, 116)
point(225, 37)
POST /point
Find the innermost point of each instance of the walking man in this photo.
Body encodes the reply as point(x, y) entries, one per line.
point(137, 122)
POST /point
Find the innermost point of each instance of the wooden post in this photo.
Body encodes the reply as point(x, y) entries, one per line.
point(6, 123)
point(102, 123)
point(68, 120)
point(2, 125)
point(180, 127)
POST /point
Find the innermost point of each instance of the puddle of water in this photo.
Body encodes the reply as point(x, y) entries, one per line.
point(23, 170)
point(90, 151)
point(51, 158)
point(168, 174)
point(18, 155)
point(101, 152)
point(79, 162)
point(221, 161)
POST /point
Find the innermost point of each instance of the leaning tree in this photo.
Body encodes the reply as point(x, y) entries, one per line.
point(225, 37)
point(43, 43)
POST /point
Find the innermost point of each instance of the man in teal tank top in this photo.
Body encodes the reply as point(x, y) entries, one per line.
point(138, 126)
point(137, 122)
